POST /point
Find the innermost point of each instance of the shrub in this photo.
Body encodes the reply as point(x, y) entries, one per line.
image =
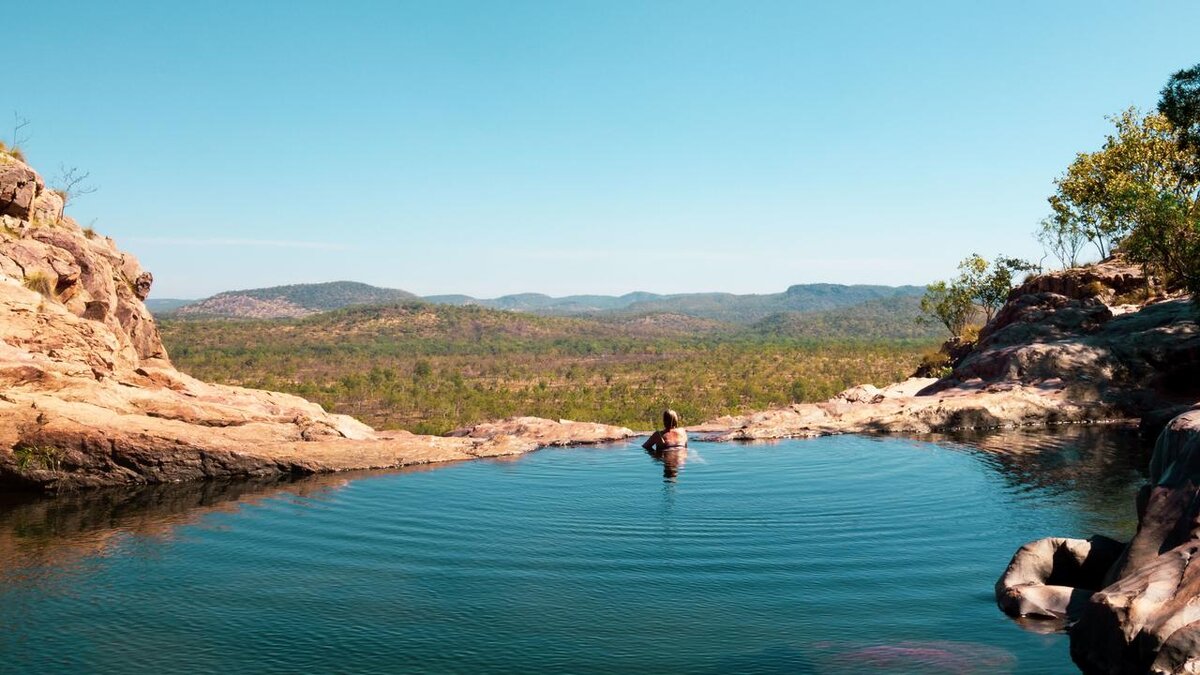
point(934, 363)
point(1095, 289)
point(29, 457)
point(970, 334)
point(40, 282)
point(1137, 296)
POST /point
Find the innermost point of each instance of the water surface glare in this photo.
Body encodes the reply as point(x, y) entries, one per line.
point(835, 555)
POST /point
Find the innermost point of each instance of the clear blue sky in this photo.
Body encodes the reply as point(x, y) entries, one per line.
point(575, 146)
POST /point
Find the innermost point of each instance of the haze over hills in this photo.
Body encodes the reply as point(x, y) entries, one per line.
point(292, 301)
point(305, 299)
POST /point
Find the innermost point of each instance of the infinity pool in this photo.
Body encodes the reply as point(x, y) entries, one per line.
point(836, 555)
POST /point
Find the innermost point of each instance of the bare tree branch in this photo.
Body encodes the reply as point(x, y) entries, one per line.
point(72, 183)
point(19, 136)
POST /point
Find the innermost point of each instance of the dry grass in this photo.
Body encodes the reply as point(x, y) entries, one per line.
point(40, 282)
point(14, 152)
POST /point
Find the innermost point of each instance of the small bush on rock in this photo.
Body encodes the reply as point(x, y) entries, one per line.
point(38, 457)
point(40, 282)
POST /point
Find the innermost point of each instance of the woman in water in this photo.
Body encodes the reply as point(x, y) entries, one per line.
point(671, 437)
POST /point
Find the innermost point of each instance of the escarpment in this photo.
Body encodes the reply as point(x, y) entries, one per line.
point(88, 395)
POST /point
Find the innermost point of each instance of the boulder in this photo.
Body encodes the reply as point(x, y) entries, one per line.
point(1053, 578)
point(47, 207)
point(1148, 620)
point(1136, 607)
point(19, 187)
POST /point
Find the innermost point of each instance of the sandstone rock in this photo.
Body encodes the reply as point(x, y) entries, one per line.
point(1146, 616)
point(545, 432)
point(901, 411)
point(19, 186)
point(1053, 578)
point(1104, 280)
point(90, 398)
point(47, 207)
point(863, 393)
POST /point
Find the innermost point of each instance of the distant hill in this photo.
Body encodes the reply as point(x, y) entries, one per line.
point(545, 304)
point(165, 305)
point(294, 301)
point(747, 309)
point(894, 317)
point(306, 299)
point(727, 307)
point(886, 319)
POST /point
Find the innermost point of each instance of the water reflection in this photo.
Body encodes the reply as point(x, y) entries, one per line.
point(672, 460)
point(1095, 462)
point(44, 538)
point(1092, 465)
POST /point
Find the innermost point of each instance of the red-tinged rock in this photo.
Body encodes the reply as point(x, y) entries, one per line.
point(19, 186)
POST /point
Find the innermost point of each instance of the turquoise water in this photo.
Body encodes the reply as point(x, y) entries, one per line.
point(835, 555)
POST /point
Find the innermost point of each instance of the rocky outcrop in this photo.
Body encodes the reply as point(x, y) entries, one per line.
point(1106, 281)
point(1054, 354)
point(19, 186)
point(1062, 327)
point(907, 408)
point(88, 396)
point(1148, 620)
point(244, 307)
point(545, 432)
point(1135, 606)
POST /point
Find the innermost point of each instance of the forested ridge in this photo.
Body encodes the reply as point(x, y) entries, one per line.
point(432, 368)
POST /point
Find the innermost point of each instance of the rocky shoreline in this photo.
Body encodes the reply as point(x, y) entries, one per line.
point(89, 398)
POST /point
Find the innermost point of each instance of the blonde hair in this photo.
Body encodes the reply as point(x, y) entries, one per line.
point(670, 419)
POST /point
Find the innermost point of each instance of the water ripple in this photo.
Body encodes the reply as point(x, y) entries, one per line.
point(843, 554)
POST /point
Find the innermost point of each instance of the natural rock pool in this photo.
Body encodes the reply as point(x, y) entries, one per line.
point(836, 555)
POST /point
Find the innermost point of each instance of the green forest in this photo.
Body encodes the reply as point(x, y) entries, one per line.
point(434, 368)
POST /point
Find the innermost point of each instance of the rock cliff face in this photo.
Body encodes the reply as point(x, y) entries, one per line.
point(88, 396)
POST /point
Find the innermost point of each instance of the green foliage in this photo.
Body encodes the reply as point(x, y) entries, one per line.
point(1167, 240)
point(935, 363)
point(980, 287)
point(1062, 238)
point(1103, 192)
point(40, 282)
point(431, 368)
point(1142, 188)
point(1179, 102)
point(988, 284)
point(872, 320)
point(950, 304)
point(33, 457)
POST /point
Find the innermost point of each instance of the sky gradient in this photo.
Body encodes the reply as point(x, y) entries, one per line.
point(576, 147)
